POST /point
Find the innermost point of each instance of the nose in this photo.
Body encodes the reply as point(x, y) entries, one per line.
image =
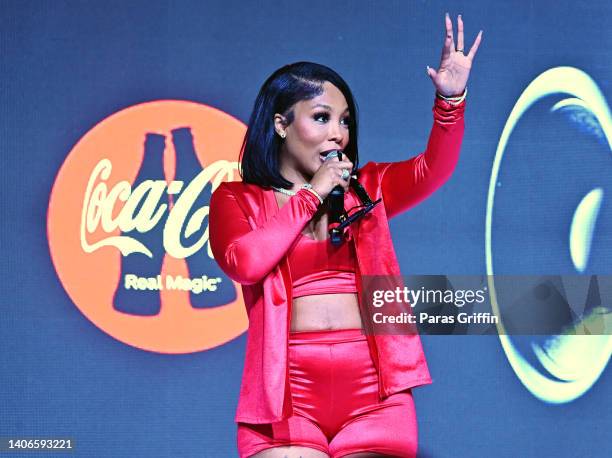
point(336, 133)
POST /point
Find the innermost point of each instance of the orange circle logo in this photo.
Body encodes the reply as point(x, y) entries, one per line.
point(127, 226)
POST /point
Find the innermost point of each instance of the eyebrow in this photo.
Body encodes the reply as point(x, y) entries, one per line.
point(327, 107)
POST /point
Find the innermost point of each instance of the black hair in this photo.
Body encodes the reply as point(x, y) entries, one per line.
point(259, 155)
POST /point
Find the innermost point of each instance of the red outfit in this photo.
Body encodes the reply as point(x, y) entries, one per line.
point(318, 267)
point(334, 387)
point(250, 238)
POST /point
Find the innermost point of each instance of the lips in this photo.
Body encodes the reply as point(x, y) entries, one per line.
point(324, 154)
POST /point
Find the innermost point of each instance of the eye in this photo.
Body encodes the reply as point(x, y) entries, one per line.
point(347, 121)
point(324, 117)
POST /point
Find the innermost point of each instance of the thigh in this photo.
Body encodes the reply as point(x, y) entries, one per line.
point(276, 439)
point(388, 429)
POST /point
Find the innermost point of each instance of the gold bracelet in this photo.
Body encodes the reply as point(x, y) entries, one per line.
point(453, 100)
point(309, 188)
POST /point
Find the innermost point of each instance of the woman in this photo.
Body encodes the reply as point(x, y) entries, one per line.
point(313, 384)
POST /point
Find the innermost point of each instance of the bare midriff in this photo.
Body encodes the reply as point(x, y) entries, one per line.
point(325, 312)
point(320, 312)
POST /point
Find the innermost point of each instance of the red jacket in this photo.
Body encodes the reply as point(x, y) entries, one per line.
point(250, 236)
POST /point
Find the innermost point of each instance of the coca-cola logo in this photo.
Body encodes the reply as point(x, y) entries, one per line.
point(128, 226)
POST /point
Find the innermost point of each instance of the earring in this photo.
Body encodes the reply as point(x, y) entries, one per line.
point(282, 135)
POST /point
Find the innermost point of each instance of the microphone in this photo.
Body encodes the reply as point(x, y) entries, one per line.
point(335, 201)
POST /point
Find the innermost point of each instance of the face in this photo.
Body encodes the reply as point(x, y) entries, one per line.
point(320, 124)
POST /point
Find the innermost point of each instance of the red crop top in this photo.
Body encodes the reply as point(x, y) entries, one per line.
point(318, 267)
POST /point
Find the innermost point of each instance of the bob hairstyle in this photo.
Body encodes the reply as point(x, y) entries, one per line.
point(260, 152)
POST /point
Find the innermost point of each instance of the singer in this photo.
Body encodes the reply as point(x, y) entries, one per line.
point(313, 384)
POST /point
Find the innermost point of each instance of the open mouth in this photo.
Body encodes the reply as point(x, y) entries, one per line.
point(324, 154)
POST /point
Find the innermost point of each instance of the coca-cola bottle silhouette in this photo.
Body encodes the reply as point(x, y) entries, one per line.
point(199, 264)
point(145, 301)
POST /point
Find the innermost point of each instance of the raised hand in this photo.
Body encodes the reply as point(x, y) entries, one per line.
point(451, 77)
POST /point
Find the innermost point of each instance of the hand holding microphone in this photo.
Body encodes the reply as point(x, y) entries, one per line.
point(335, 173)
point(331, 181)
point(330, 175)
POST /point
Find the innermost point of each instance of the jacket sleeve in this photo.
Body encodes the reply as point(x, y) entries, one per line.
point(406, 183)
point(245, 252)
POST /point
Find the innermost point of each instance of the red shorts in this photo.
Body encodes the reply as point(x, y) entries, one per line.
point(334, 389)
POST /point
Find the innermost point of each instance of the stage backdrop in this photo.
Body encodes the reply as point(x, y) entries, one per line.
point(118, 329)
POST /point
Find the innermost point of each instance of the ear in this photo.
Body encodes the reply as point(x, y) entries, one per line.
point(280, 123)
